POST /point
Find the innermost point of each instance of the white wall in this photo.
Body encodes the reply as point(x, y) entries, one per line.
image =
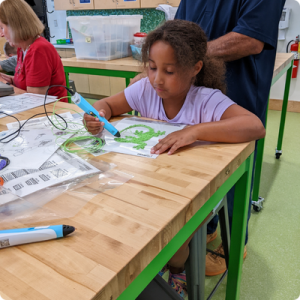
point(293, 30)
point(57, 22)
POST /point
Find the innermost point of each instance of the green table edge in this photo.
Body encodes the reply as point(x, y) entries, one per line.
point(242, 179)
point(100, 72)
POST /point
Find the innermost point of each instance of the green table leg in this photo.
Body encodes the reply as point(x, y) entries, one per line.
point(283, 112)
point(242, 176)
point(68, 85)
point(238, 231)
point(256, 200)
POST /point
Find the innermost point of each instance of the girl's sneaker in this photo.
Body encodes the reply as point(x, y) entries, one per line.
point(178, 283)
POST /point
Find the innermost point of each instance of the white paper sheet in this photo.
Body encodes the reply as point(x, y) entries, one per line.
point(162, 129)
point(15, 104)
point(60, 167)
point(41, 122)
point(31, 148)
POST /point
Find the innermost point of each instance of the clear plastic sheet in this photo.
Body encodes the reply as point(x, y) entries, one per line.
point(138, 136)
point(62, 200)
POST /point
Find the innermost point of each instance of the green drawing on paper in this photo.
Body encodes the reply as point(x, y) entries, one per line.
point(140, 136)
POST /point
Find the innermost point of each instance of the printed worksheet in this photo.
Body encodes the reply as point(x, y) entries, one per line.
point(42, 122)
point(15, 104)
point(31, 148)
point(60, 167)
point(138, 136)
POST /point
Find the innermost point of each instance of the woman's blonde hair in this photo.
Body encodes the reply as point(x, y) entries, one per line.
point(21, 20)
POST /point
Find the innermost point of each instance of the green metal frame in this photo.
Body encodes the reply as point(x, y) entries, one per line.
point(241, 178)
point(101, 72)
point(260, 144)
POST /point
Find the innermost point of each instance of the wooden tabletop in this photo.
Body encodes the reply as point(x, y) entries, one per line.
point(118, 232)
point(130, 64)
point(282, 60)
point(122, 64)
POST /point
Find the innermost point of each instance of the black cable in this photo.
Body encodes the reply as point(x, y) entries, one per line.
point(287, 46)
point(17, 132)
point(69, 90)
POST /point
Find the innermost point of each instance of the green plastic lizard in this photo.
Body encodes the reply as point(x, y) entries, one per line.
point(141, 137)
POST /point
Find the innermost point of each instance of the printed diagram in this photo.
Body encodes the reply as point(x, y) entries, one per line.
point(15, 104)
point(21, 146)
point(139, 137)
point(39, 136)
point(43, 143)
point(32, 148)
point(21, 151)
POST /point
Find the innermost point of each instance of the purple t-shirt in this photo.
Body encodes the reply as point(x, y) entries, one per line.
point(201, 104)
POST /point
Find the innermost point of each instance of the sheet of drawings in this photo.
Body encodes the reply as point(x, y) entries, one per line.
point(31, 148)
point(42, 122)
point(15, 104)
point(140, 137)
point(60, 167)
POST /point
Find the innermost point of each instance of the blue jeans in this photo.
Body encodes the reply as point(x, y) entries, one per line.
point(213, 224)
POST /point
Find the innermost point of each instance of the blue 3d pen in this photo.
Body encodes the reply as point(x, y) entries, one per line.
point(90, 110)
point(13, 237)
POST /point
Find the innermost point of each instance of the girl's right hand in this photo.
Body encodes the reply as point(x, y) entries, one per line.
point(93, 124)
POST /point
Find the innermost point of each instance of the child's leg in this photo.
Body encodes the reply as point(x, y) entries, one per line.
point(176, 263)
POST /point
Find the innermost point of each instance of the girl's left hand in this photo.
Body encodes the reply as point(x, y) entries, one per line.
point(175, 140)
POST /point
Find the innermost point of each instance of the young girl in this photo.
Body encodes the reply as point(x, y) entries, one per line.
point(183, 86)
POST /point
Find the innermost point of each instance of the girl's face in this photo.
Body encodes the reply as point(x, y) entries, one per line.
point(164, 74)
point(5, 32)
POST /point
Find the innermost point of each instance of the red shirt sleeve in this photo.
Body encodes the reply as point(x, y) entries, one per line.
point(38, 68)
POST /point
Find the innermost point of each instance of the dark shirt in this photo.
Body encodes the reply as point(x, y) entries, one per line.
point(249, 78)
point(30, 2)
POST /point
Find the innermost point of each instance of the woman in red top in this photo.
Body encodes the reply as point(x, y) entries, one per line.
point(39, 65)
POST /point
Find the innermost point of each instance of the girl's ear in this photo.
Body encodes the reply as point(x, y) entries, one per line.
point(198, 66)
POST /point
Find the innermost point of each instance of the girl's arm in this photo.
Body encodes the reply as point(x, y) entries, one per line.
point(237, 125)
point(108, 107)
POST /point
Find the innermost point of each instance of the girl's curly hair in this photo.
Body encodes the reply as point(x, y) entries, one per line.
point(190, 46)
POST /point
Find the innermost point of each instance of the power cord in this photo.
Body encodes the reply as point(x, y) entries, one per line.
point(94, 146)
point(17, 132)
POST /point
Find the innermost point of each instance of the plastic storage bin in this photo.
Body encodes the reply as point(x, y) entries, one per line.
point(103, 37)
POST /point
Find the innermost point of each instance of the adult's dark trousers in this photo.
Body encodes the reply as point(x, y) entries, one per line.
point(213, 224)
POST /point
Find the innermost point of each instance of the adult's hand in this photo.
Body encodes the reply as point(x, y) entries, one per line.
point(138, 77)
point(7, 78)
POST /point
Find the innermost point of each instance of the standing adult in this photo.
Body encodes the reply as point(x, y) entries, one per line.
point(38, 63)
point(243, 33)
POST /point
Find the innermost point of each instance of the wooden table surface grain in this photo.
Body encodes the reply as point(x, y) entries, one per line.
point(118, 232)
point(133, 65)
point(122, 64)
point(281, 61)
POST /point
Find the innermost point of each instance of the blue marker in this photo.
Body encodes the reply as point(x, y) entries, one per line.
point(13, 237)
point(90, 110)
